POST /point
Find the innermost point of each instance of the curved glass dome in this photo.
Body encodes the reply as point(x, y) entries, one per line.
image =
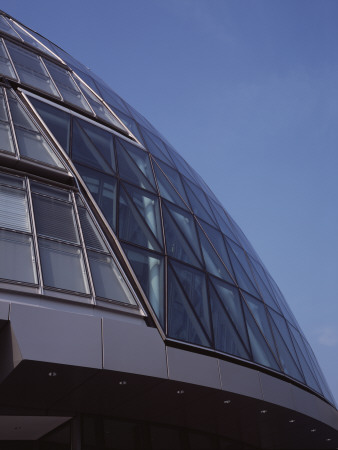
point(203, 283)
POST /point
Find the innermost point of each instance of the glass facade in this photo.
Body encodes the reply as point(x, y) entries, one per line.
point(202, 279)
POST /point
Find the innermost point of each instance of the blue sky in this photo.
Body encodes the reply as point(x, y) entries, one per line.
point(247, 92)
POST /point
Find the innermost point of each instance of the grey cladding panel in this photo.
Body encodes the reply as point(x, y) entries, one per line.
point(133, 348)
point(276, 391)
point(240, 380)
point(57, 336)
point(193, 368)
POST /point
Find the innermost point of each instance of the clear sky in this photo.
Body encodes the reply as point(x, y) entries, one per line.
point(247, 92)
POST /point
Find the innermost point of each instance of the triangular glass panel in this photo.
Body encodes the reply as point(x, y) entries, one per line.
point(85, 152)
point(194, 285)
point(230, 298)
point(6, 139)
point(148, 207)
point(222, 220)
point(148, 268)
point(185, 222)
point(282, 303)
point(132, 227)
point(111, 97)
point(177, 246)
point(91, 235)
point(260, 350)
point(307, 371)
point(227, 339)
point(287, 361)
point(98, 107)
point(6, 67)
point(265, 292)
point(140, 120)
point(174, 178)
point(180, 163)
point(154, 146)
point(243, 240)
point(243, 280)
point(102, 140)
point(213, 263)
point(103, 189)
point(130, 124)
point(85, 77)
point(183, 323)
point(196, 203)
point(30, 141)
point(200, 196)
point(57, 121)
point(242, 258)
point(258, 310)
point(284, 331)
point(167, 191)
point(141, 159)
point(217, 241)
point(129, 169)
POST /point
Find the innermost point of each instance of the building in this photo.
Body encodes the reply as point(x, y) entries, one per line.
point(134, 312)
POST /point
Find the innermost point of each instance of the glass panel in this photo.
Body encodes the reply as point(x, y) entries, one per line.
point(52, 191)
point(199, 202)
point(6, 140)
point(167, 191)
point(11, 180)
point(19, 115)
point(174, 178)
point(227, 339)
point(257, 309)
point(14, 209)
point(132, 227)
point(223, 221)
point(55, 219)
point(102, 140)
point(185, 222)
point(260, 350)
point(103, 189)
point(56, 120)
point(194, 285)
point(148, 207)
point(18, 261)
point(141, 159)
point(241, 276)
point(212, 261)
point(288, 363)
point(98, 107)
point(63, 266)
point(182, 166)
point(90, 233)
point(24, 34)
point(67, 86)
point(112, 98)
point(6, 67)
point(242, 258)
point(85, 152)
point(265, 292)
point(148, 269)
point(130, 124)
point(231, 300)
point(30, 69)
point(182, 321)
point(177, 246)
point(216, 239)
point(33, 146)
point(108, 281)
point(4, 26)
point(157, 150)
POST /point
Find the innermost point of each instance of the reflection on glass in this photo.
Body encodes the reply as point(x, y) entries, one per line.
point(63, 266)
point(6, 67)
point(17, 260)
point(108, 281)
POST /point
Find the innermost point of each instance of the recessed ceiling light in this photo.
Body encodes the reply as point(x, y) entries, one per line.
point(227, 402)
point(52, 374)
point(264, 411)
point(328, 439)
point(180, 392)
point(313, 430)
point(122, 382)
point(292, 420)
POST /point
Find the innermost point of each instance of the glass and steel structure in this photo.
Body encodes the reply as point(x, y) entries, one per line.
point(125, 220)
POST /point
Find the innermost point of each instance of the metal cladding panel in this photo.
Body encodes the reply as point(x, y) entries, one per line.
point(56, 336)
point(193, 368)
point(133, 348)
point(4, 310)
point(276, 391)
point(240, 380)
